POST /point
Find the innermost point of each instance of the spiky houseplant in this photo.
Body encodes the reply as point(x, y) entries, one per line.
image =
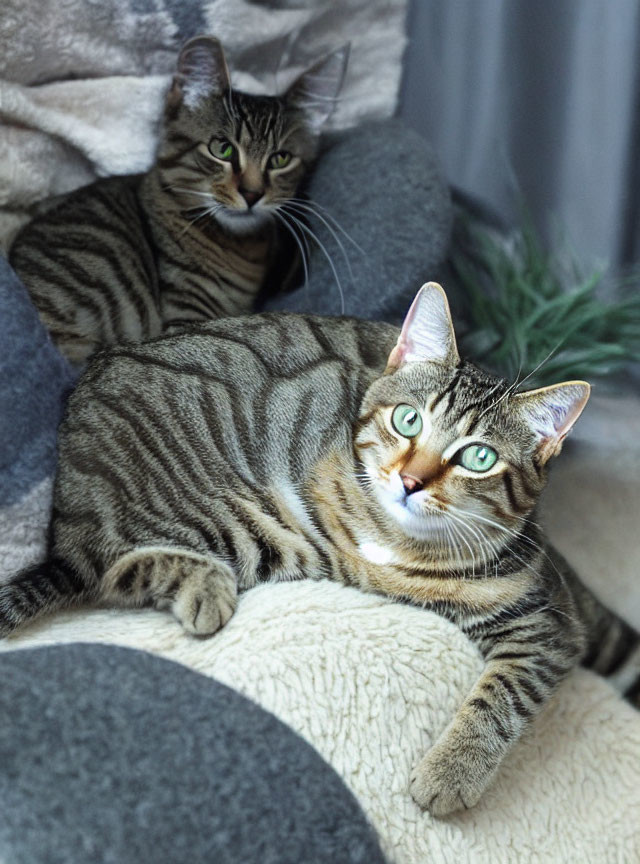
point(529, 315)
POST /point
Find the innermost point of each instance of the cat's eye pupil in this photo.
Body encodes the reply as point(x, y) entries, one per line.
point(406, 420)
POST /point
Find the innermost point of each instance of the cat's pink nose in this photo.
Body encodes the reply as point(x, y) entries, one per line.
point(410, 483)
point(250, 196)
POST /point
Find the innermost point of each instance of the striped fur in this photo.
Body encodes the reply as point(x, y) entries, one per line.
point(193, 239)
point(261, 449)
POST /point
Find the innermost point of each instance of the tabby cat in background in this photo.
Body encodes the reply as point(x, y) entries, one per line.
point(192, 239)
point(282, 447)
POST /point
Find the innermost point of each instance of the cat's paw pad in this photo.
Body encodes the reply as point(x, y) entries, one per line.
point(206, 601)
point(447, 780)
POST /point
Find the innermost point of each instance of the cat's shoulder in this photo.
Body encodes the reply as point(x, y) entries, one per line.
point(107, 195)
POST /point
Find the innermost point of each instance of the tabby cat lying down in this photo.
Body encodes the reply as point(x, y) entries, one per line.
point(279, 447)
point(193, 239)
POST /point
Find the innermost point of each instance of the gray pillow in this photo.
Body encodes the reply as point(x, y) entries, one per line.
point(114, 755)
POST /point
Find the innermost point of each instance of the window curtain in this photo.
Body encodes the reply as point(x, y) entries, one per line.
point(538, 99)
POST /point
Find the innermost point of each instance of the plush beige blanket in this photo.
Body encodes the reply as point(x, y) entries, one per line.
point(370, 684)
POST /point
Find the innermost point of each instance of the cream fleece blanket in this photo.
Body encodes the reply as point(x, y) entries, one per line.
point(370, 684)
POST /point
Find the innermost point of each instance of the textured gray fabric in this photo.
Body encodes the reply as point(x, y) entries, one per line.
point(34, 378)
point(114, 756)
point(382, 184)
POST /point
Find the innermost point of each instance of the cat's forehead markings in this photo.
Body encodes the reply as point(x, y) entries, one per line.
point(462, 425)
point(437, 406)
point(427, 425)
point(245, 134)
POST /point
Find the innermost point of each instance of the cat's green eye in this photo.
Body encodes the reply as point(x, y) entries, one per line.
point(478, 457)
point(222, 149)
point(280, 159)
point(406, 420)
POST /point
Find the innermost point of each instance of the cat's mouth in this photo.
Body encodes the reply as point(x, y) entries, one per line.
point(417, 501)
point(422, 501)
point(419, 513)
point(242, 220)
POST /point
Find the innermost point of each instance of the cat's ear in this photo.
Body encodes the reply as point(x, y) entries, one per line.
point(316, 90)
point(427, 332)
point(201, 72)
point(551, 412)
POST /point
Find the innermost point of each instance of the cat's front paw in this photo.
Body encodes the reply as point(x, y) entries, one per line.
point(450, 778)
point(206, 600)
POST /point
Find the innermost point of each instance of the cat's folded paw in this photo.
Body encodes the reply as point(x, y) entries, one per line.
point(449, 779)
point(206, 600)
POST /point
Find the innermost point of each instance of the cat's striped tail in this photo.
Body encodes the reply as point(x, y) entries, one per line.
point(37, 590)
point(614, 652)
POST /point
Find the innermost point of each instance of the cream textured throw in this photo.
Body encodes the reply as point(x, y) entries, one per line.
point(370, 684)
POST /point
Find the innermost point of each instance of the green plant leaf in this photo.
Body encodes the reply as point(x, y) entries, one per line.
point(530, 315)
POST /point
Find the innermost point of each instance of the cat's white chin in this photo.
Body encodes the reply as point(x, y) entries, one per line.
point(242, 221)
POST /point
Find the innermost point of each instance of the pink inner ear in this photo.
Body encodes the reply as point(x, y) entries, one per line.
point(202, 69)
point(316, 90)
point(427, 331)
point(552, 411)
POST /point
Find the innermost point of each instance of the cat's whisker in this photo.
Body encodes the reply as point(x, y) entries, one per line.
point(518, 383)
point(516, 535)
point(298, 241)
point(305, 240)
point(495, 404)
point(314, 206)
point(483, 542)
point(509, 531)
point(511, 388)
point(520, 538)
point(318, 99)
point(454, 545)
point(494, 388)
point(186, 190)
point(302, 211)
point(543, 361)
point(302, 237)
point(208, 211)
point(323, 249)
point(456, 525)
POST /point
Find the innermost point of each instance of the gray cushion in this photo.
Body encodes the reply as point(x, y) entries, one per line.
point(114, 755)
point(383, 185)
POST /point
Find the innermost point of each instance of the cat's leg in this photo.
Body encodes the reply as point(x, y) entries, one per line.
point(524, 666)
point(200, 590)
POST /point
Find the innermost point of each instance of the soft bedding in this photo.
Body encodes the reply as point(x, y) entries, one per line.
point(369, 683)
